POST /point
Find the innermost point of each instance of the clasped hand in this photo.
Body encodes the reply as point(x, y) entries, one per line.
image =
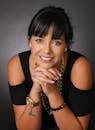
point(44, 79)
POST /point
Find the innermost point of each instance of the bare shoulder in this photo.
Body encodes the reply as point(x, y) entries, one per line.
point(15, 72)
point(13, 60)
point(81, 74)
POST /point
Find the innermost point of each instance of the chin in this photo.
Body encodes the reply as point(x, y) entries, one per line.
point(46, 66)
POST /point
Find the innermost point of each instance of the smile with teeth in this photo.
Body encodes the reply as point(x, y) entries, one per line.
point(46, 58)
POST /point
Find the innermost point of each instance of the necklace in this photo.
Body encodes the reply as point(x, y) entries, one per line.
point(58, 83)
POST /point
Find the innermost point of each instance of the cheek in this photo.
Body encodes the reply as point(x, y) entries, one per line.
point(34, 49)
point(59, 55)
point(59, 52)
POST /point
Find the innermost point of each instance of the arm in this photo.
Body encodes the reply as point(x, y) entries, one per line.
point(65, 118)
point(24, 121)
point(81, 77)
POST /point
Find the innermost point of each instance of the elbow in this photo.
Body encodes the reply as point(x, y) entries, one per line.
point(19, 126)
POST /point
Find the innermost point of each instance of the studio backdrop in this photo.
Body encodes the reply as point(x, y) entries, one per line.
point(15, 16)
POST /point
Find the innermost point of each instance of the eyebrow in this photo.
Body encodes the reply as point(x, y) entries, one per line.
point(58, 40)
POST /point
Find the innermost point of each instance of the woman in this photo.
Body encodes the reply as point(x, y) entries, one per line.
point(50, 85)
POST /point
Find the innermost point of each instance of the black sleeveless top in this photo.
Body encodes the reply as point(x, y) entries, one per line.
point(79, 101)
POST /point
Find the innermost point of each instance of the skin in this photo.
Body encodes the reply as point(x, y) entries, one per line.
point(44, 63)
point(48, 54)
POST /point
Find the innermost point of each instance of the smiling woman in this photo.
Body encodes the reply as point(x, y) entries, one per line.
point(47, 82)
point(48, 52)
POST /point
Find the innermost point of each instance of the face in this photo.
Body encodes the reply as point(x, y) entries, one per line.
point(46, 51)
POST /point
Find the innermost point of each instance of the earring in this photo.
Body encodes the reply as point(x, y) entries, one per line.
point(65, 49)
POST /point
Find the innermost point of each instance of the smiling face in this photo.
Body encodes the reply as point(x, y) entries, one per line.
point(46, 51)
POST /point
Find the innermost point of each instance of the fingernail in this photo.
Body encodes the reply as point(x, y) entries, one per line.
point(56, 78)
point(52, 81)
point(59, 74)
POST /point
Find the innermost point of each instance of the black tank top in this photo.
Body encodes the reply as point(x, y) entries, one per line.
point(79, 101)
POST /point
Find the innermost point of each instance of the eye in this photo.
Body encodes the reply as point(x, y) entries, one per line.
point(39, 40)
point(57, 42)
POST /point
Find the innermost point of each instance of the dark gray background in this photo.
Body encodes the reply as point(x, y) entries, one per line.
point(15, 16)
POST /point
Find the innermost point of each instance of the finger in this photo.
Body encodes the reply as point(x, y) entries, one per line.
point(35, 80)
point(47, 73)
point(42, 78)
point(55, 72)
point(42, 81)
point(45, 80)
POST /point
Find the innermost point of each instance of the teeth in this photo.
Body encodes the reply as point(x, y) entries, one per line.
point(46, 58)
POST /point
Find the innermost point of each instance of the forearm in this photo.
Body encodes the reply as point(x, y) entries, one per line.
point(30, 118)
point(64, 117)
point(28, 121)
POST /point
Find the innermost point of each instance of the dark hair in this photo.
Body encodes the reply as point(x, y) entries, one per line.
point(48, 16)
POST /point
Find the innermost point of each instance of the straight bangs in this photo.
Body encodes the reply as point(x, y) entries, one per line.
point(51, 17)
point(42, 26)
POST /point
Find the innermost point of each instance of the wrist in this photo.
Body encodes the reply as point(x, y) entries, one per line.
point(30, 101)
point(35, 95)
point(36, 88)
point(55, 100)
point(58, 107)
point(53, 95)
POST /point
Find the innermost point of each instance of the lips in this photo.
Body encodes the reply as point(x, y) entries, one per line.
point(46, 58)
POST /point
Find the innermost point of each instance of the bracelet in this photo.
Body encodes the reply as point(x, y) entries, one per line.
point(31, 102)
point(59, 108)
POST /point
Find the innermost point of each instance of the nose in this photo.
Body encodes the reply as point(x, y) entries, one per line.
point(47, 47)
